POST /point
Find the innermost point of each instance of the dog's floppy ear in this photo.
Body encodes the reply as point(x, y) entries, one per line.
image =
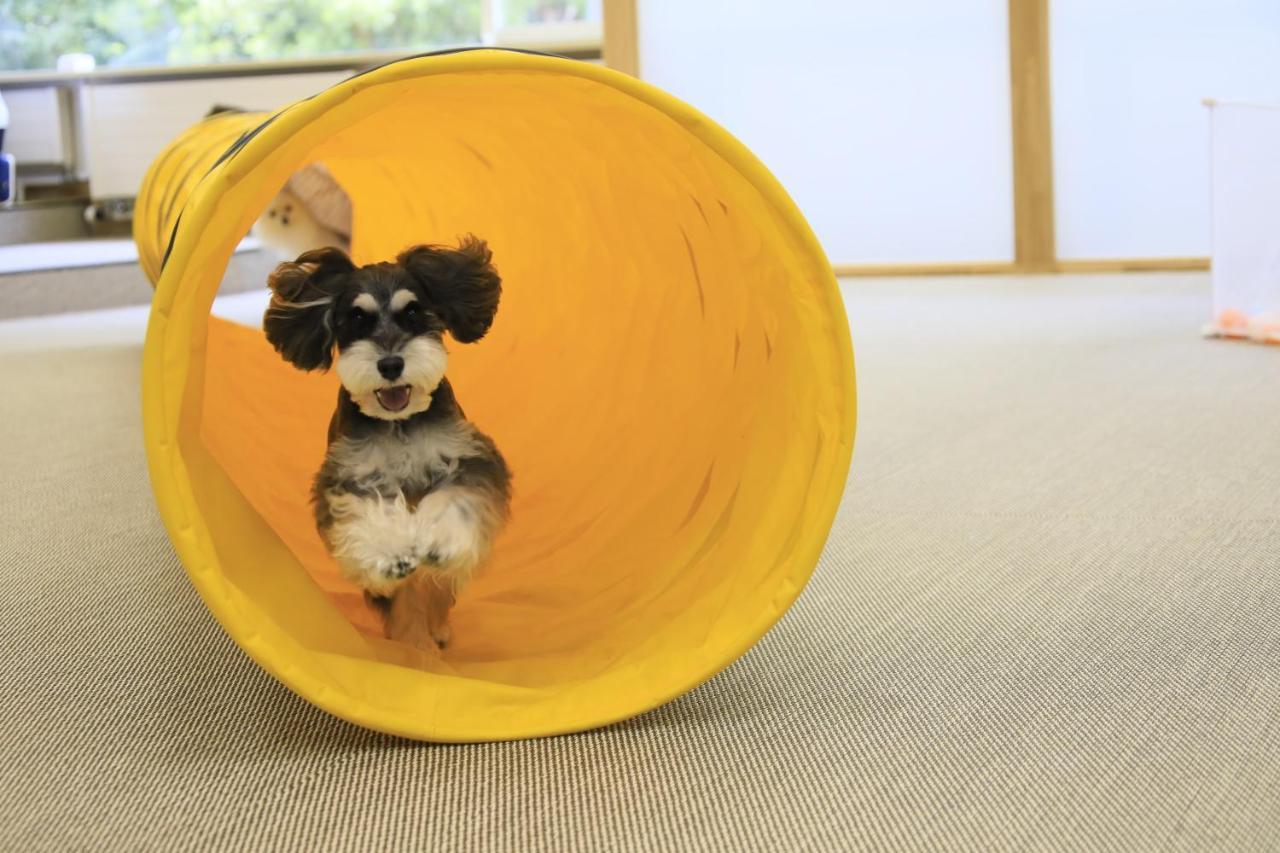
point(461, 284)
point(299, 320)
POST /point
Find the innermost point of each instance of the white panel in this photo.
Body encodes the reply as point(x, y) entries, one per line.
point(1246, 220)
point(33, 135)
point(1130, 137)
point(887, 122)
point(129, 123)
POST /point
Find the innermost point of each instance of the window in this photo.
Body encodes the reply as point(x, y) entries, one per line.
point(548, 24)
point(124, 33)
point(533, 12)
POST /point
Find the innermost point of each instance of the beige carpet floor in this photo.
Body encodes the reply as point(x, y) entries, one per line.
point(77, 288)
point(1048, 618)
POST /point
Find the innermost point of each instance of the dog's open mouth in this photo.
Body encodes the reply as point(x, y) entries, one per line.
point(393, 399)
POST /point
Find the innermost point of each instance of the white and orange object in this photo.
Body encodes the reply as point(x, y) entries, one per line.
point(1245, 170)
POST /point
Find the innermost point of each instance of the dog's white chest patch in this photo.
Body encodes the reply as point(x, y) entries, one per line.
point(397, 461)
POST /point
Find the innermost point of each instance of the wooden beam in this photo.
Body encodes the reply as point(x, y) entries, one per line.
point(957, 268)
point(1088, 265)
point(1034, 241)
point(621, 36)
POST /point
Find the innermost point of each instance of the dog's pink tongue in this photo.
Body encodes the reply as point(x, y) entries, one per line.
point(393, 399)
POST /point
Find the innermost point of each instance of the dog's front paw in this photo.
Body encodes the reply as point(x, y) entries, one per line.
point(382, 575)
point(449, 545)
point(454, 532)
point(397, 567)
point(437, 555)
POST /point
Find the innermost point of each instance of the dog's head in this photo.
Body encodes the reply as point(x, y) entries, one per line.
point(386, 321)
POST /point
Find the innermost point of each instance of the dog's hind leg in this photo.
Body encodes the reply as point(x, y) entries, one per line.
point(419, 611)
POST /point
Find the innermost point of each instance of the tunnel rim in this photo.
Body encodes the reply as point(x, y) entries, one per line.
point(169, 357)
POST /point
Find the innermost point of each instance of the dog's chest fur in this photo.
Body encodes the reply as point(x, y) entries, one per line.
point(412, 460)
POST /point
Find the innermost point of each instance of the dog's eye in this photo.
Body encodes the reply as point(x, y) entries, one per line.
point(412, 311)
point(357, 316)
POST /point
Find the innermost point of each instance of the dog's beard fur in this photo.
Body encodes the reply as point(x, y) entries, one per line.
point(425, 360)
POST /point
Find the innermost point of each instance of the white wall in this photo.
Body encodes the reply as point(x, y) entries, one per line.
point(1131, 155)
point(887, 122)
point(33, 133)
point(1246, 213)
point(128, 124)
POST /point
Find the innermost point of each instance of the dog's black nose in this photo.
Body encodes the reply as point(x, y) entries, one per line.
point(391, 367)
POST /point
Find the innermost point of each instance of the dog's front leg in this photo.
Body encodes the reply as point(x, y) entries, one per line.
point(455, 526)
point(456, 529)
point(376, 540)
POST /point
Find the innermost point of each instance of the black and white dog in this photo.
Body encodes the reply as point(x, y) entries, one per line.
point(411, 494)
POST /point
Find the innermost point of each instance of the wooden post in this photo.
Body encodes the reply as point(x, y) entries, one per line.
point(621, 37)
point(1035, 246)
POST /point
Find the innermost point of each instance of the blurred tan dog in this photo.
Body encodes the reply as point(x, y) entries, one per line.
point(311, 211)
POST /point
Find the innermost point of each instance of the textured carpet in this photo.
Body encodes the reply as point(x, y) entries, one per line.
point(1048, 618)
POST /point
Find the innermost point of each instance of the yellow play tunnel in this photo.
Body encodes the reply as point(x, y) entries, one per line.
point(670, 378)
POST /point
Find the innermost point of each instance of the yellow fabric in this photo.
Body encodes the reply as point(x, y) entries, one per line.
point(172, 177)
point(670, 377)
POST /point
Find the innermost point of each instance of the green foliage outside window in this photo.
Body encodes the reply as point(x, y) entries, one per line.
point(33, 33)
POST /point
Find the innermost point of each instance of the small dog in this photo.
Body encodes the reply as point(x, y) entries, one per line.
point(289, 226)
point(311, 210)
point(411, 494)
